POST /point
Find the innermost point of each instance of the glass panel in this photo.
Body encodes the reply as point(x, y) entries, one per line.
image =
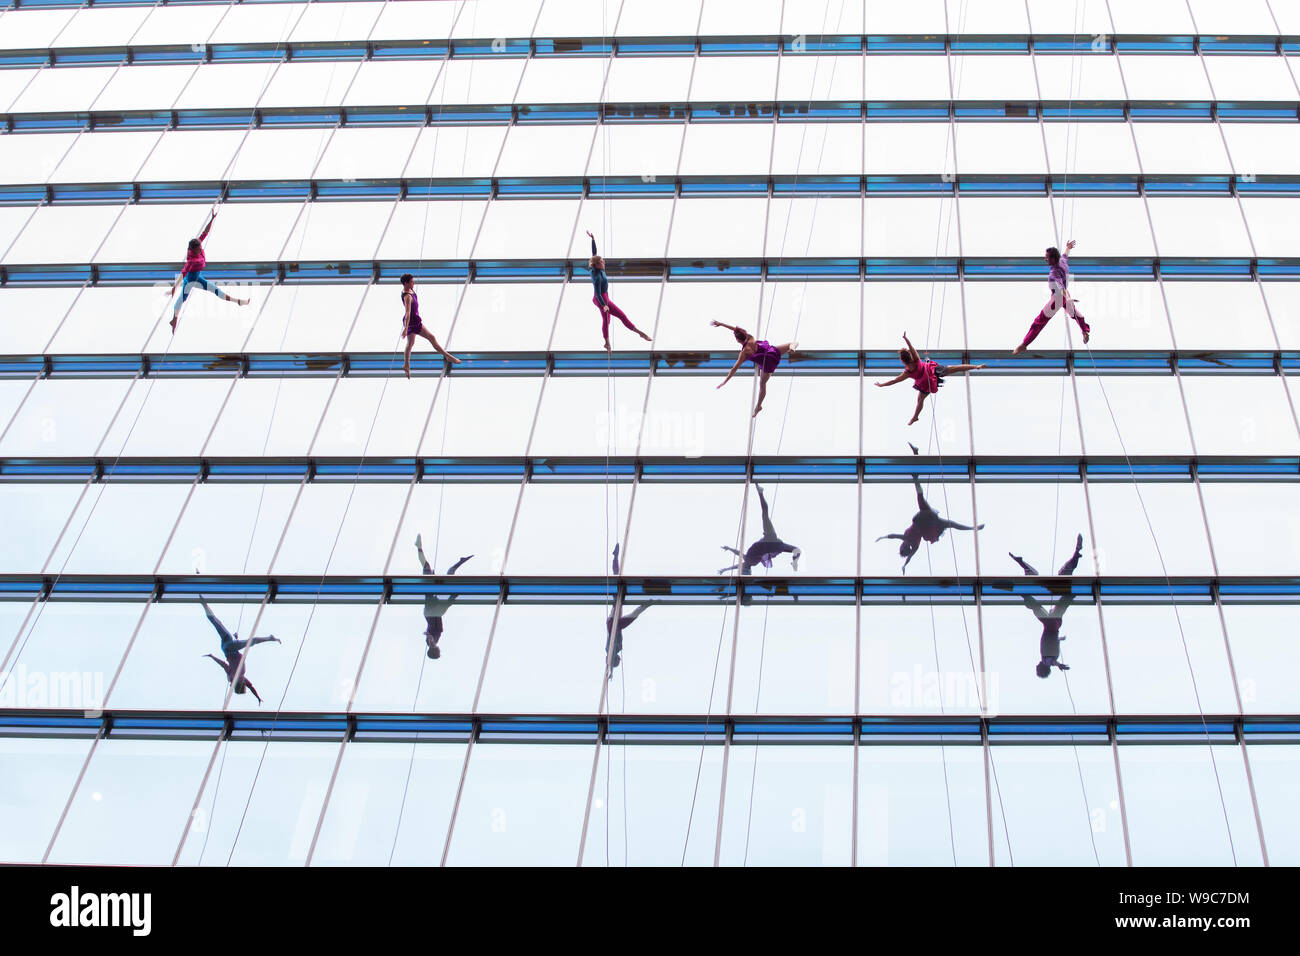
point(1176, 816)
point(705, 522)
point(12, 83)
point(522, 804)
point(61, 417)
point(892, 308)
point(132, 803)
point(120, 529)
point(152, 233)
point(229, 528)
point(501, 18)
point(545, 150)
point(228, 85)
point(718, 228)
point(1262, 148)
point(562, 80)
point(733, 79)
point(1271, 226)
point(1048, 16)
point(339, 230)
point(1263, 655)
point(1127, 314)
point(788, 805)
point(651, 79)
point(1183, 148)
point(34, 516)
point(479, 81)
point(1087, 148)
point(1216, 16)
point(913, 227)
point(685, 304)
point(67, 656)
point(308, 84)
point(423, 228)
point(419, 18)
point(166, 417)
point(1041, 406)
point(1160, 17)
point(107, 27)
point(304, 318)
point(1122, 413)
point(1198, 310)
point(945, 420)
point(341, 529)
point(32, 317)
point(817, 315)
point(106, 319)
point(624, 228)
point(33, 799)
point(503, 417)
point(257, 21)
point(810, 77)
point(261, 808)
point(392, 82)
point(1248, 77)
point(375, 416)
point(1000, 226)
point(579, 18)
point(279, 154)
point(1238, 513)
point(357, 152)
point(725, 149)
point(589, 417)
point(33, 29)
point(568, 529)
point(1149, 651)
point(184, 25)
point(1164, 77)
point(319, 650)
point(391, 803)
point(1240, 416)
point(1082, 77)
point(646, 151)
point(57, 234)
point(816, 17)
point(111, 157)
point(721, 16)
point(1284, 309)
point(894, 508)
point(692, 417)
point(334, 20)
point(143, 87)
point(1126, 544)
point(921, 806)
point(815, 227)
point(794, 660)
point(250, 232)
point(503, 316)
point(1000, 148)
point(660, 830)
point(34, 158)
point(812, 148)
point(1273, 769)
point(1060, 806)
point(378, 326)
point(986, 77)
point(456, 151)
point(905, 77)
point(269, 417)
point(192, 155)
point(653, 19)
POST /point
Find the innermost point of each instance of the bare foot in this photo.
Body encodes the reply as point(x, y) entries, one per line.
point(607, 346)
point(1085, 338)
point(452, 359)
point(915, 419)
point(647, 338)
point(757, 408)
point(172, 323)
point(1019, 349)
point(242, 301)
point(406, 370)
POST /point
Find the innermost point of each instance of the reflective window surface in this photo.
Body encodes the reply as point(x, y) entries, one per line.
point(551, 569)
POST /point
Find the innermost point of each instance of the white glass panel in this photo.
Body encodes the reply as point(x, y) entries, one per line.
point(287, 411)
point(247, 232)
point(1147, 410)
point(546, 151)
point(208, 323)
point(229, 529)
point(339, 230)
point(13, 82)
point(922, 17)
point(734, 78)
point(639, 18)
point(996, 77)
point(650, 79)
point(34, 516)
point(1079, 77)
point(498, 18)
point(340, 529)
point(308, 84)
point(811, 148)
point(1149, 666)
point(931, 310)
point(624, 229)
point(1126, 544)
point(1199, 310)
point(333, 21)
point(361, 153)
point(1265, 149)
point(1199, 227)
point(179, 25)
point(727, 149)
point(503, 411)
point(721, 16)
point(1284, 308)
point(49, 767)
point(107, 319)
point(568, 529)
point(505, 316)
point(144, 87)
point(32, 315)
point(811, 77)
point(1248, 77)
point(905, 77)
point(913, 227)
point(418, 19)
point(650, 151)
point(478, 81)
point(192, 155)
point(1272, 226)
point(456, 151)
point(579, 323)
point(375, 416)
point(103, 27)
point(577, 18)
point(1041, 406)
point(244, 23)
point(1085, 148)
point(525, 229)
point(1262, 655)
point(378, 326)
point(1238, 17)
point(14, 220)
point(1158, 17)
point(897, 148)
point(1004, 148)
point(889, 508)
point(1256, 528)
point(1049, 16)
point(1040, 522)
point(1273, 770)
point(60, 233)
point(1124, 314)
point(152, 233)
point(32, 159)
point(977, 18)
point(817, 315)
point(306, 318)
point(106, 157)
point(67, 88)
point(119, 529)
point(1103, 226)
point(1155, 77)
point(454, 520)
point(562, 80)
point(32, 29)
point(1182, 148)
point(166, 417)
point(392, 82)
point(996, 226)
point(688, 306)
point(432, 230)
point(217, 85)
point(589, 417)
point(815, 227)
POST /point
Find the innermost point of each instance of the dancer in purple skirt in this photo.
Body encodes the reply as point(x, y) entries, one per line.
point(412, 326)
point(765, 356)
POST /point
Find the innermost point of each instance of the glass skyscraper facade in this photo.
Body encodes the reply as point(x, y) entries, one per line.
point(830, 173)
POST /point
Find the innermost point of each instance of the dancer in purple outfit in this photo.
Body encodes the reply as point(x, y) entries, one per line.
point(1049, 645)
point(926, 375)
point(765, 548)
point(1058, 282)
point(765, 356)
point(412, 326)
point(231, 646)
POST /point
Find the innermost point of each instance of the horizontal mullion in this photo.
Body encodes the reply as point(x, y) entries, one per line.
point(677, 362)
point(586, 469)
point(772, 730)
point(651, 186)
point(772, 268)
point(419, 114)
point(715, 590)
point(841, 44)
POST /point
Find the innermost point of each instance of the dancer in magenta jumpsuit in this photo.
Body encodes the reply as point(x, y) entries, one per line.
point(1058, 281)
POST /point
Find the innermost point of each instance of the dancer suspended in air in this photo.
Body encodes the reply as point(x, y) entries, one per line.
point(926, 375)
point(766, 358)
point(1058, 281)
point(412, 326)
point(602, 301)
point(616, 633)
point(765, 548)
point(192, 274)
point(231, 646)
point(926, 524)
point(434, 606)
point(1049, 645)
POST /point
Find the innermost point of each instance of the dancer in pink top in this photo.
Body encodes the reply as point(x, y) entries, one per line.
point(765, 356)
point(926, 375)
point(1058, 282)
point(192, 273)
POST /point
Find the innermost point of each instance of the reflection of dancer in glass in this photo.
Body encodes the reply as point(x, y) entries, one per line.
point(926, 375)
point(231, 646)
point(926, 524)
point(616, 633)
point(765, 356)
point(765, 548)
point(1058, 281)
point(602, 301)
point(1049, 645)
point(434, 606)
point(192, 274)
point(413, 326)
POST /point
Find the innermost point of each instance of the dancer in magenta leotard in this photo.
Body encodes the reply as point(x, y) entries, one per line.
point(926, 375)
point(413, 326)
point(192, 274)
point(765, 356)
